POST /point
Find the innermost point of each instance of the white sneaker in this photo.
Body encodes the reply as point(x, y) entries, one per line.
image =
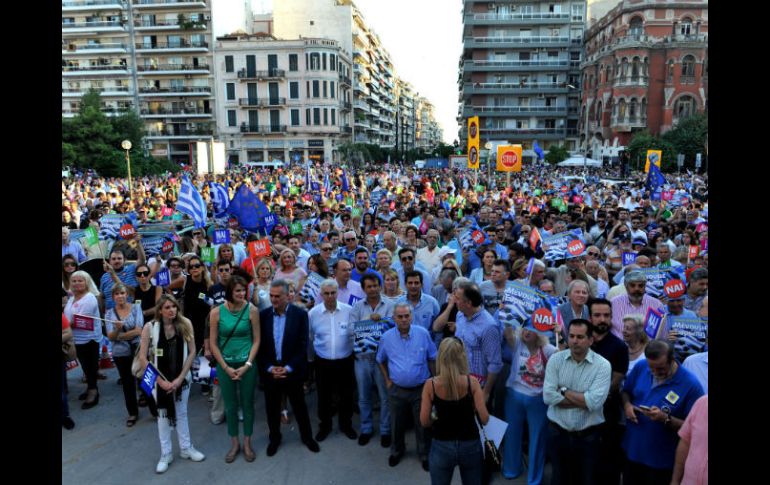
point(165, 461)
point(192, 454)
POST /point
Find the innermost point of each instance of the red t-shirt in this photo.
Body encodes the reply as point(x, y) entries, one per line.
point(64, 322)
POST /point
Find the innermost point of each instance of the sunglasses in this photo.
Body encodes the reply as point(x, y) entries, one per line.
point(224, 270)
point(407, 258)
point(326, 249)
point(593, 254)
point(350, 239)
point(195, 266)
point(71, 263)
point(142, 273)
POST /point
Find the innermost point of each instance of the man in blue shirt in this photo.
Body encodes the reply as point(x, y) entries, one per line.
point(361, 266)
point(657, 398)
point(71, 247)
point(407, 358)
point(424, 307)
point(118, 270)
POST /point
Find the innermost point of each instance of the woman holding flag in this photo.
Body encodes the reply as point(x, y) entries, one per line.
point(172, 342)
point(82, 311)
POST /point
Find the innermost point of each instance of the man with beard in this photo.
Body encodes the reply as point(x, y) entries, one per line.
point(361, 262)
point(430, 256)
point(634, 301)
point(616, 352)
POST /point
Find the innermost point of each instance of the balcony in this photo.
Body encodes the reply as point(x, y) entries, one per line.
point(143, 25)
point(172, 69)
point(523, 133)
point(345, 106)
point(98, 26)
point(183, 45)
point(515, 110)
point(78, 92)
point(520, 41)
point(527, 88)
point(262, 129)
point(627, 123)
point(109, 70)
point(175, 91)
point(179, 132)
point(686, 79)
point(91, 49)
point(345, 81)
point(70, 113)
point(91, 5)
point(630, 81)
point(245, 75)
point(271, 102)
point(168, 4)
point(347, 129)
point(540, 18)
point(363, 123)
point(496, 66)
point(250, 102)
point(362, 106)
point(176, 112)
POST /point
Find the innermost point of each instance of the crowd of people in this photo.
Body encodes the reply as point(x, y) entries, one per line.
point(401, 295)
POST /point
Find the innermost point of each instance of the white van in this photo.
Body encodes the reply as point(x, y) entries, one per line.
point(273, 164)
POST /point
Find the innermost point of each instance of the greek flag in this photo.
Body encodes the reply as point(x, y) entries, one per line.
point(307, 178)
point(219, 197)
point(327, 184)
point(191, 203)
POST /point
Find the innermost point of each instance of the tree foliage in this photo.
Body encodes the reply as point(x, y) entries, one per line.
point(644, 141)
point(688, 137)
point(557, 154)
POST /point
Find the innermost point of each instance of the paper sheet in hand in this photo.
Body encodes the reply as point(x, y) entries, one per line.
point(495, 429)
point(205, 371)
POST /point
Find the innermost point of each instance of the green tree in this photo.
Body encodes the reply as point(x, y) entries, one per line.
point(643, 141)
point(688, 137)
point(443, 150)
point(557, 154)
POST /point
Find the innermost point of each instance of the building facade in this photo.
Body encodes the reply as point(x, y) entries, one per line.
point(646, 67)
point(405, 116)
point(428, 133)
point(152, 56)
point(282, 100)
point(519, 71)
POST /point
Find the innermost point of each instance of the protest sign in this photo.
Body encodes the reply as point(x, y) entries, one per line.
point(163, 277)
point(556, 246)
point(478, 237)
point(155, 245)
point(674, 288)
point(658, 277)
point(543, 320)
point(110, 226)
point(652, 322)
point(296, 228)
point(311, 288)
point(260, 248)
point(629, 258)
point(693, 252)
point(82, 322)
point(208, 255)
point(576, 248)
point(690, 335)
point(167, 212)
point(148, 379)
point(519, 303)
point(91, 236)
point(368, 334)
point(356, 212)
point(222, 236)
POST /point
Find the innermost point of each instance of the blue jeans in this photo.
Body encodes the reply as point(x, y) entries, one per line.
point(368, 375)
point(518, 409)
point(446, 455)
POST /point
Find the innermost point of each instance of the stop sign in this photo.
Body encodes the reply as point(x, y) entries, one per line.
point(509, 159)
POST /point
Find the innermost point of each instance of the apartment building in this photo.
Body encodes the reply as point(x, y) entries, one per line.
point(428, 133)
point(646, 67)
point(520, 71)
point(152, 56)
point(406, 116)
point(282, 100)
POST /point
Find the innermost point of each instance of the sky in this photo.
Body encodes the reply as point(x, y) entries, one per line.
point(423, 37)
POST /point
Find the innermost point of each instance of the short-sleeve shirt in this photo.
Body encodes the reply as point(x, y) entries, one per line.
point(122, 348)
point(127, 275)
point(407, 358)
point(695, 431)
point(87, 306)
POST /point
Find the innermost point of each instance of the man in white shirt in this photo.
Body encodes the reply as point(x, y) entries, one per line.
point(332, 336)
point(429, 256)
point(349, 291)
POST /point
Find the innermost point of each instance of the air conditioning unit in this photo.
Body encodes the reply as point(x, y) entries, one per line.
point(554, 32)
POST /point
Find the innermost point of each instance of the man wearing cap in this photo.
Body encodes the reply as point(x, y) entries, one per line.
point(688, 338)
point(634, 301)
point(430, 255)
point(697, 289)
point(577, 381)
point(446, 253)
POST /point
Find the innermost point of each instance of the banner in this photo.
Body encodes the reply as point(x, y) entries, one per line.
point(658, 277)
point(652, 322)
point(473, 142)
point(629, 258)
point(653, 156)
point(208, 255)
point(519, 303)
point(260, 248)
point(91, 236)
point(82, 322)
point(163, 277)
point(110, 226)
point(509, 158)
point(155, 245)
point(557, 246)
point(222, 236)
point(368, 334)
point(691, 335)
point(311, 288)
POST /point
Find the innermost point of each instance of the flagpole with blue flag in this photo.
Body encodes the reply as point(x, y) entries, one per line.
point(191, 203)
point(655, 180)
point(345, 184)
point(538, 150)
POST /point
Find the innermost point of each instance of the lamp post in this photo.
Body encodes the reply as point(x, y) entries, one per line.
point(126, 145)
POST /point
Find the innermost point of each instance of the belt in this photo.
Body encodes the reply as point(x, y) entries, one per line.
point(576, 434)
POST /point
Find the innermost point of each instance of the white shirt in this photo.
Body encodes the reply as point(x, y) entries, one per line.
point(430, 259)
point(331, 332)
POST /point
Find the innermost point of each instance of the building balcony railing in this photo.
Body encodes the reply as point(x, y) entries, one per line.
point(363, 123)
point(182, 44)
point(532, 87)
point(630, 81)
point(362, 106)
point(512, 18)
point(248, 102)
point(344, 80)
point(92, 5)
point(524, 132)
point(686, 79)
point(104, 91)
point(262, 129)
point(169, 24)
point(244, 74)
point(627, 122)
point(168, 3)
point(112, 69)
point(482, 65)
point(555, 110)
point(180, 131)
point(345, 106)
point(176, 90)
point(115, 47)
point(94, 25)
point(347, 129)
point(69, 112)
point(175, 111)
point(495, 42)
point(173, 69)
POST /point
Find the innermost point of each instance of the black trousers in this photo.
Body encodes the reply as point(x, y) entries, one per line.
point(292, 388)
point(335, 377)
point(611, 456)
point(638, 474)
point(88, 356)
point(128, 381)
point(573, 457)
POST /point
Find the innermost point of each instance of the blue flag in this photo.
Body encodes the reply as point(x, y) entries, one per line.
point(655, 179)
point(345, 184)
point(327, 184)
point(538, 150)
point(245, 208)
point(307, 178)
point(219, 197)
point(191, 203)
point(149, 378)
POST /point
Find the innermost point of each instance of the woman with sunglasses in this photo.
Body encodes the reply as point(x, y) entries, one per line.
point(68, 266)
point(146, 292)
point(124, 326)
point(457, 399)
point(87, 330)
point(172, 342)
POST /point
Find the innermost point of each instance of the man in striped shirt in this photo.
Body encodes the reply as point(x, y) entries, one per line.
point(634, 301)
point(576, 385)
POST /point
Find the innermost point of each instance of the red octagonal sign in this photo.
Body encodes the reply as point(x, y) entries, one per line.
point(127, 231)
point(509, 159)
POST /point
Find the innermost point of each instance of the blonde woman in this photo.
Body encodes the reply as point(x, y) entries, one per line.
point(384, 260)
point(261, 294)
point(456, 398)
point(87, 331)
point(289, 270)
point(391, 291)
point(172, 341)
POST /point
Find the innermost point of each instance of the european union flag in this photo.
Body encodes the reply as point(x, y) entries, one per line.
point(539, 151)
point(345, 184)
point(655, 179)
point(252, 213)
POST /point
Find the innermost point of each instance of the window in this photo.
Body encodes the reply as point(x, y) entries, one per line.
point(323, 57)
point(331, 90)
point(685, 28)
point(635, 69)
point(326, 92)
point(230, 87)
point(334, 117)
point(598, 117)
point(229, 67)
point(635, 27)
point(326, 117)
point(688, 66)
point(632, 109)
point(317, 116)
point(293, 90)
point(684, 107)
point(231, 120)
point(315, 61)
point(332, 62)
point(295, 117)
point(307, 117)
point(624, 68)
point(293, 62)
point(315, 89)
point(622, 110)
point(524, 56)
point(670, 71)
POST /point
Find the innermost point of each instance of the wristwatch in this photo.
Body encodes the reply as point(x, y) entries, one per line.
point(562, 390)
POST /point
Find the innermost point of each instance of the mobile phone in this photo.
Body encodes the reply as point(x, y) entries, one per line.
point(644, 408)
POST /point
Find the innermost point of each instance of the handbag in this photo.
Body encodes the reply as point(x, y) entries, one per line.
point(492, 458)
point(68, 350)
point(136, 366)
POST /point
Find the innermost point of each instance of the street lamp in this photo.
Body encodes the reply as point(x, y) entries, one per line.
point(126, 144)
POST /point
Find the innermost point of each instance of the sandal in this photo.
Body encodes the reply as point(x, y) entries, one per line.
point(285, 416)
point(230, 456)
point(249, 454)
point(131, 421)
